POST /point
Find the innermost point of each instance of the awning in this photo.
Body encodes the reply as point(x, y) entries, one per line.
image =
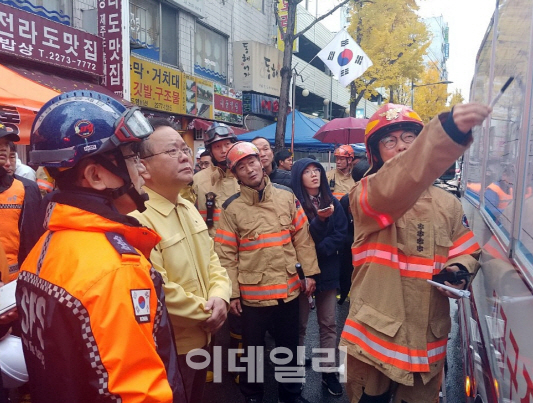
point(24, 91)
point(200, 124)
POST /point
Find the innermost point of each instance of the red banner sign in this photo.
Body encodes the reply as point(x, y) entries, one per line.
point(33, 37)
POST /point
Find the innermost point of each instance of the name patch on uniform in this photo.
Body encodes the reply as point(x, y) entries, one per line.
point(120, 244)
point(141, 305)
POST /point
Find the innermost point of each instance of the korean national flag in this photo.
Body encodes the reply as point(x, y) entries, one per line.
point(345, 58)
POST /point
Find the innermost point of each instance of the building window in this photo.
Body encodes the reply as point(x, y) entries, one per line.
point(211, 54)
point(169, 35)
point(144, 28)
point(55, 10)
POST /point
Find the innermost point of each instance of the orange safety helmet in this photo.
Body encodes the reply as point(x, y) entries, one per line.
point(344, 151)
point(388, 118)
point(238, 151)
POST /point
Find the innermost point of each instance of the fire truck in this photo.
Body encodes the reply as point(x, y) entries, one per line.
point(496, 323)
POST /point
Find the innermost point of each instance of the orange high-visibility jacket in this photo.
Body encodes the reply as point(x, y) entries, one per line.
point(343, 183)
point(11, 203)
point(91, 307)
point(259, 241)
point(222, 183)
point(405, 231)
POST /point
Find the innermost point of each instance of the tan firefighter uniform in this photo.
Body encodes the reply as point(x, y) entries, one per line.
point(222, 183)
point(259, 241)
point(405, 231)
point(343, 182)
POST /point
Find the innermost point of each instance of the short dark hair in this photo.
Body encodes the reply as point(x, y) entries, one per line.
point(12, 147)
point(261, 138)
point(359, 169)
point(282, 156)
point(205, 154)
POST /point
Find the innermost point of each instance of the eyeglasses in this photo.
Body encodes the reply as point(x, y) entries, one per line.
point(389, 142)
point(173, 153)
point(136, 157)
point(315, 171)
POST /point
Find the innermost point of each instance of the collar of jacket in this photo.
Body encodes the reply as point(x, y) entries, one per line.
point(217, 174)
point(92, 213)
point(251, 196)
point(159, 203)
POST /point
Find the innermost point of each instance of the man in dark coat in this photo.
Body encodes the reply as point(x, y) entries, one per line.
point(266, 156)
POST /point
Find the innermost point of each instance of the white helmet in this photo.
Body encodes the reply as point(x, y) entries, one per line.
point(12, 364)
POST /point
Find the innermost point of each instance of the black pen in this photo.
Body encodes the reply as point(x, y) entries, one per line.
point(497, 98)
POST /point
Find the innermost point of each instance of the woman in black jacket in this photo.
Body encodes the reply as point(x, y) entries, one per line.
point(328, 227)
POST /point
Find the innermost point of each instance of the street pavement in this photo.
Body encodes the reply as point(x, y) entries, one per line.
point(228, 391)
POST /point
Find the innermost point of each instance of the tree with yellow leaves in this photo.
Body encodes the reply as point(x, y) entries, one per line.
point(394, 38)
point(429, 97)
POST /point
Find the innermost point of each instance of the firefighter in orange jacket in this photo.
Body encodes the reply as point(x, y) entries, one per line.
point(405, 232)
point(19, 202)
point(263, 232)
point(94, 323)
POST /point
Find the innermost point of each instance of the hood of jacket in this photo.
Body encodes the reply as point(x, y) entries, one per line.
point(296, 177)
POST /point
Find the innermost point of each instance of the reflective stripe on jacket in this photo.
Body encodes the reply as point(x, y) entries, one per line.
point(405, 231)
point(92, 314)
point(222, 183)
point(259, 241)
point(11, 203)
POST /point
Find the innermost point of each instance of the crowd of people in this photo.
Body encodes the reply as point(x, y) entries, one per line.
point(137, 255)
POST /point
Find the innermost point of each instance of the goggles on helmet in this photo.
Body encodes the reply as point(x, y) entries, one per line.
point(132, 126)
point(219, 131)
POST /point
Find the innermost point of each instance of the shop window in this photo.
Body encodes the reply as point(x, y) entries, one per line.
point(211, 54)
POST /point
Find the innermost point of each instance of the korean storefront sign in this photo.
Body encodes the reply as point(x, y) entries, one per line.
point(257, 67)
point(156, 87)
point(169, 90)
point(228, 104)
point(260, 104)
point(110, 28)
point(30, 36)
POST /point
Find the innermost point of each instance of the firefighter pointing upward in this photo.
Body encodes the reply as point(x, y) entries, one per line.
point(406, 231)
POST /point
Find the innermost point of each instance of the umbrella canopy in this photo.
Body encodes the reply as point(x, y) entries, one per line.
point(342, 131)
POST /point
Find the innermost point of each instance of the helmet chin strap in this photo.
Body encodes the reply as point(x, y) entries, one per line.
point(121, 170)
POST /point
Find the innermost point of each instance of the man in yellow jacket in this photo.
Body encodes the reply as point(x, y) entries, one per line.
point(197, 287)
point(406, 231)
point(263, 232)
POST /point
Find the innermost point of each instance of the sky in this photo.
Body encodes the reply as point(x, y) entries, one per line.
point(468, 21)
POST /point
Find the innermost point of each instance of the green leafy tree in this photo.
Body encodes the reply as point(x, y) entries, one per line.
point(394, 38)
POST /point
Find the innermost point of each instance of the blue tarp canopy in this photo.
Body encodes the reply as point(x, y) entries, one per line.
point(304, 130)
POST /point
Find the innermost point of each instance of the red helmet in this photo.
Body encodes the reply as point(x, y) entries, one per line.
point(344, 151)
point(238, 151)
point(388, 118)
